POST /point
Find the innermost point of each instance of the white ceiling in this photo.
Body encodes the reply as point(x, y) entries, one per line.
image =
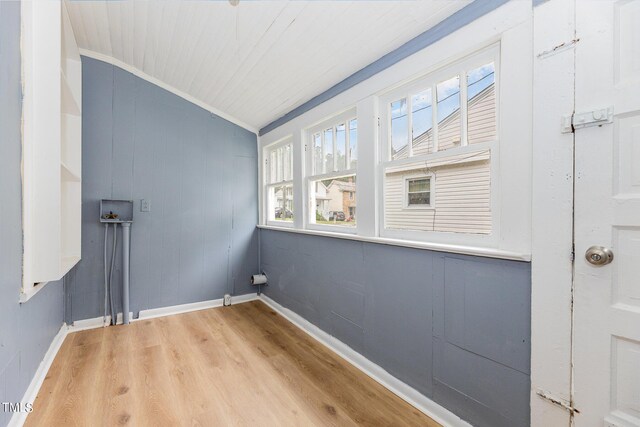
point(258, 60)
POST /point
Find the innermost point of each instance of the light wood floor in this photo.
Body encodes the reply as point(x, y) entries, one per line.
point(238, 365)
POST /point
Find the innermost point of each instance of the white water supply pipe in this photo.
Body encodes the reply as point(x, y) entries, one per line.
point(126, 243)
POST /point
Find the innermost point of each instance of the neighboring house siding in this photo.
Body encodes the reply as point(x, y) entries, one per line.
point(482, 117)
point(335, 198)
point(461, 202)
point(462, 198)
point(423, 144)
point(349, 203)
point(322, 204)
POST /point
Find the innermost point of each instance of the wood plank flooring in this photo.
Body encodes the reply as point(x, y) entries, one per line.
point(238, 365)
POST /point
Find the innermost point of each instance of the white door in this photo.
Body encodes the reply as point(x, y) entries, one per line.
point(606, 345)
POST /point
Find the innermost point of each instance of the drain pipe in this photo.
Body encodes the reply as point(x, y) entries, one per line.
point(113, 261)
point(126, 242)
point(106, 275)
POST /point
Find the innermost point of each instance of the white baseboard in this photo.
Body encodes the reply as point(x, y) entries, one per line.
point(239, 299)
point(376, 372)
point(177, 309)
point(18, 418)
point(99, 322)
point(96, 322)
point(185, 308)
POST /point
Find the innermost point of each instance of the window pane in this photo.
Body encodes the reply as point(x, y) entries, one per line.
point(273, 166)
point(399, 129)
point(317, 154)
point(353, 143)
point(421, 120)
point(281, 202)
point(419, 185)
point(288, 157)
point(449, 121)
point(335, 201)
point(279, 167)
point(341, 147)
point(328, 150)
point(290, 161)
point(481, 104)
point(419, 198)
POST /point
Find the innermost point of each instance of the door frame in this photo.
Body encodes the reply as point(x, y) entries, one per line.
point(554, 38)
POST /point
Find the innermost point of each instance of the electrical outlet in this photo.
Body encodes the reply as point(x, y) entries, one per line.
point(145, 205)
point(227, 299)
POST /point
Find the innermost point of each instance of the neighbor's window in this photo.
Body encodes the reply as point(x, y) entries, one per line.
point(279, 182)
point(332, 186)
point(442, 128)
point(419, 192)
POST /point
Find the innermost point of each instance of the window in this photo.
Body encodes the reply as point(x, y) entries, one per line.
point(279, 182)
point(418, 192)
point(425, 159)
point(333, 160)
point(442, 127)
point(458, 123)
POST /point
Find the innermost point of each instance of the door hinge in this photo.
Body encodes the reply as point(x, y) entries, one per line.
point(557, 401)
point(571, 122)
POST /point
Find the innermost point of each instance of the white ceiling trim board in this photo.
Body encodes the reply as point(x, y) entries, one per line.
point(167, 87)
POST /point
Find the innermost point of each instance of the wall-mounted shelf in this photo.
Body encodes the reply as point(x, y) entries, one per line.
point(52, 145)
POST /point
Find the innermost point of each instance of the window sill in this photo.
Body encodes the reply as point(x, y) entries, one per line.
point(280, 224)
point(332, 229)
point(439, 247)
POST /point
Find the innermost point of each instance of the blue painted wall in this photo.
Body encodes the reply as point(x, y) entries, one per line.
point(456, 328)
point(200, 173)
point(26, 330)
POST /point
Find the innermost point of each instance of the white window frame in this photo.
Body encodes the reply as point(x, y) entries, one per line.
point(511, 179)
point(460, 67)
point(345, 117)
point(416, 176)
point(267, 185)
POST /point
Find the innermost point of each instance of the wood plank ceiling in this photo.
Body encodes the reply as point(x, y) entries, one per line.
point(255, 61)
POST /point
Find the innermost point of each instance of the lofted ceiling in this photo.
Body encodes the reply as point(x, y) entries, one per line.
point(252, 62)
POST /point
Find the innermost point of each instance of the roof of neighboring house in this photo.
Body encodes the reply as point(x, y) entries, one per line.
point(343, 186)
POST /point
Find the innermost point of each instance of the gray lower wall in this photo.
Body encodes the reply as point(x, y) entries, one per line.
point(454, 327)
point(26, 330)
point(200, 173)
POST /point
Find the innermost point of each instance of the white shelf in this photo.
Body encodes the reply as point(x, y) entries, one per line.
point(52, 145)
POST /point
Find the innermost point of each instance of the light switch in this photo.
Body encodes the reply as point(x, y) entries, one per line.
point(145, 205)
